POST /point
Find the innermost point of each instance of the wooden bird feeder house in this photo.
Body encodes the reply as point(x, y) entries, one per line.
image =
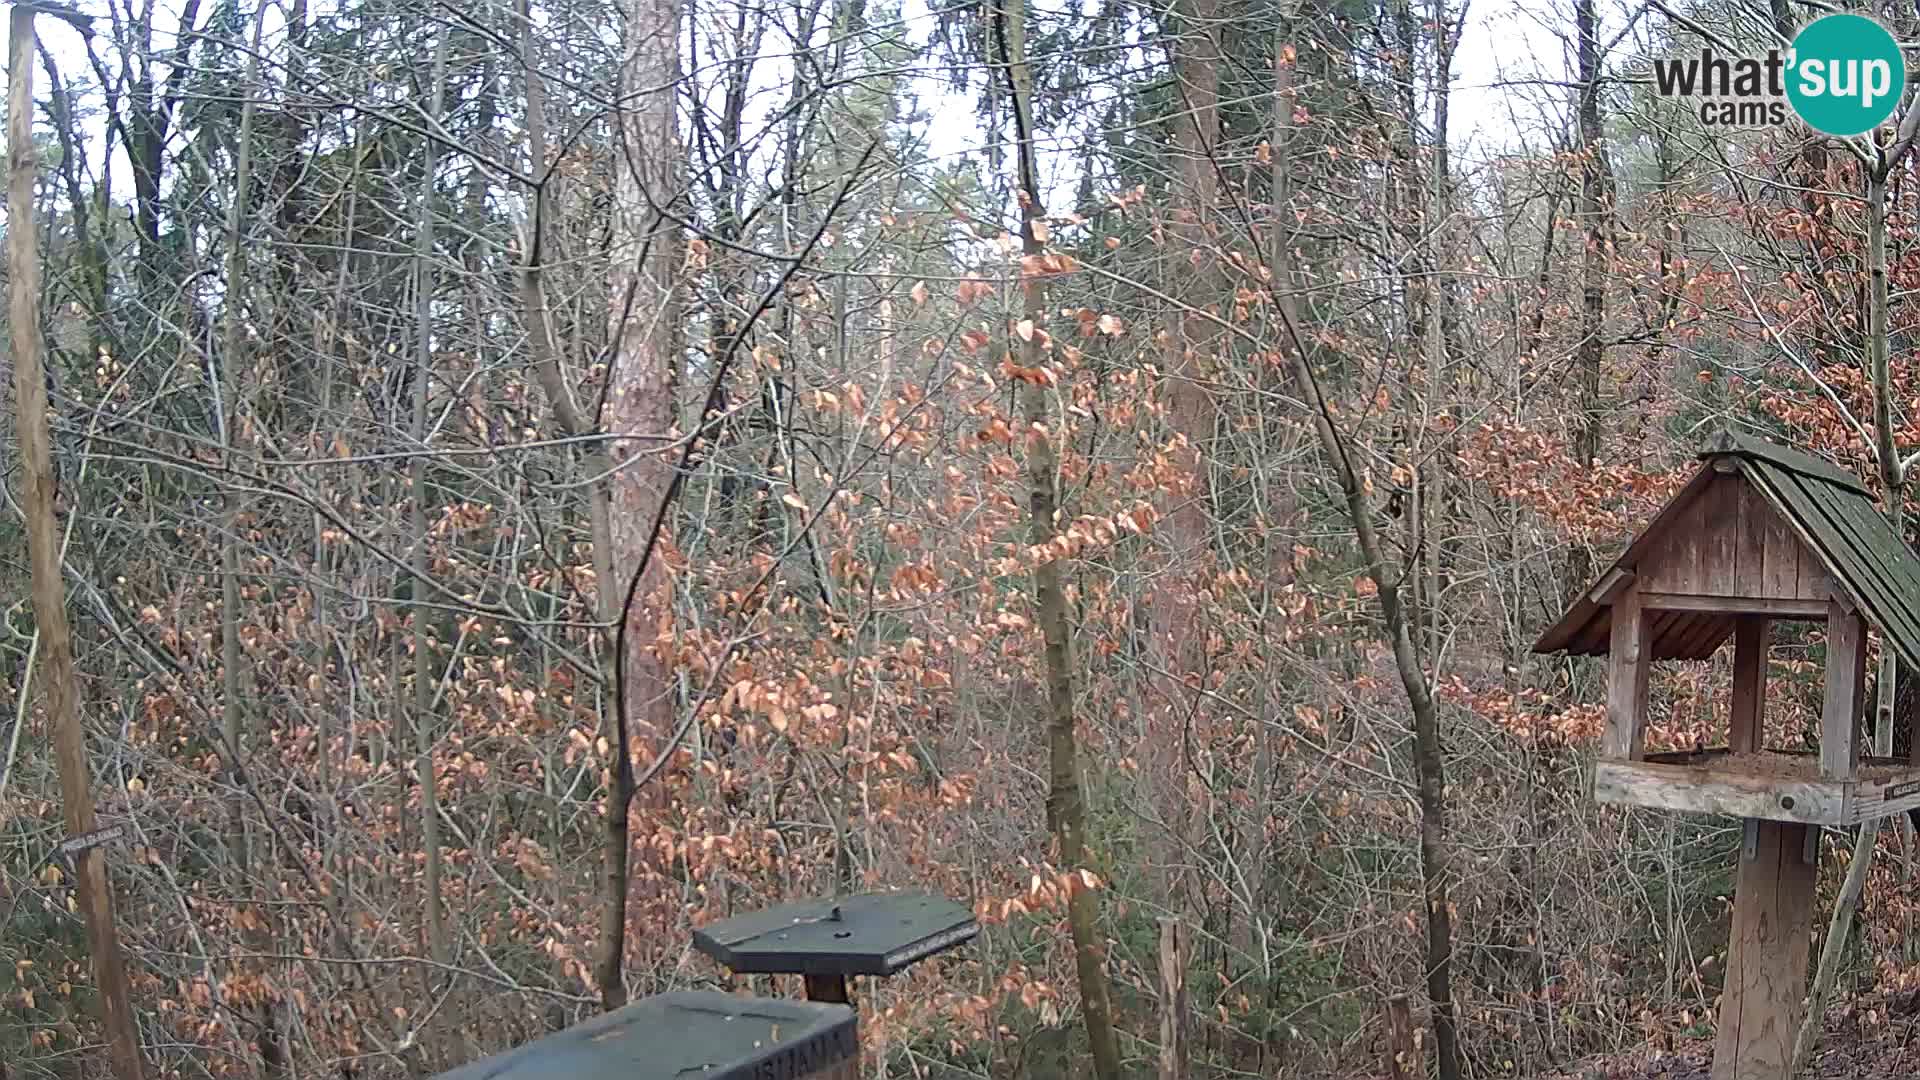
point(692, 1034)
point(829, 941)
point(1761, 533)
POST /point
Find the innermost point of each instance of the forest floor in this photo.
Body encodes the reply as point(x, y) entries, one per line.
point(1871, 1040)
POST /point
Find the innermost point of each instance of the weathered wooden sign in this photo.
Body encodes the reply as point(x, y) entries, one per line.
point(74, 846)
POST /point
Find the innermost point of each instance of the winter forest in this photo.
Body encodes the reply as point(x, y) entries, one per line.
point(531, 478)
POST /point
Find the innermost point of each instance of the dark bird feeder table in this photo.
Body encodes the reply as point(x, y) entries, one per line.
point(828, 941)
point(1760, 533)
point(702, 1034)
point(718, 1036)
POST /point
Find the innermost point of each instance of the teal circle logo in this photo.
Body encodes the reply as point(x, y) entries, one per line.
point(1845, 74)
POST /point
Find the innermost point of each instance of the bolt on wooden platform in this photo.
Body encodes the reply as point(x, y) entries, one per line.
point(1761, 533)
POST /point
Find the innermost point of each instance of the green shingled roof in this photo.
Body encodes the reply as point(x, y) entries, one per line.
point(1831, 511)
point(1835, 515)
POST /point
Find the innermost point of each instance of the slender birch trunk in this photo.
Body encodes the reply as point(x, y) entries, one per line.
point(425, 728)
point(1429, 758)
point(1066, 803)
point(49, 590)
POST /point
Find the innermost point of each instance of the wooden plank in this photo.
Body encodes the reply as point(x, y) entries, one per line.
point(1845, 694)
point(1781, 573)
point(1704, 637)
point(1786, 607)
point(1746, 724)
point(1662, 626)
point(1677, 564)
point(1609, 585)
point(1667, 633)
point(1897, 795)
point(1719, 541)
point(1671, 519)
point(1767, 957)
point(1682, 641)
point(1750, 541)
point(1628, 658)
point(1694, 549)
point(1804, 518)
point(1591, 640)
point(1691, 790)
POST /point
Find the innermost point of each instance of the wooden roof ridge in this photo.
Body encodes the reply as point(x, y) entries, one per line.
point(1830, 510)
point(1734, 444)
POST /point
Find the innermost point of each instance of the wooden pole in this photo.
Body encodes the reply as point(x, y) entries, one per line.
point(1629, 654)
point(1845, 692)
point(1173, 999)
point(1747, 726)
point(1766, 974)
point(832, 989)
point(43, 547)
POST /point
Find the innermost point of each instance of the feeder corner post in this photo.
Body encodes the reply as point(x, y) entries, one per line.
point(1629, 659)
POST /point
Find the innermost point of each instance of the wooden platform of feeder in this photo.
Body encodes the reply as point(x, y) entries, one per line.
point(1772, 786)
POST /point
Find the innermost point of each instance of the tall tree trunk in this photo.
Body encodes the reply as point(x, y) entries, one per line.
point(1177, 637)
point(1066, 803)
point(49, 591)
point(228, 413)
point(236, 419)
point(1443, 348)
point(425, 728)
point(1590, 350)
point(1429, 758)
point(644, 316)
point(544, 351)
